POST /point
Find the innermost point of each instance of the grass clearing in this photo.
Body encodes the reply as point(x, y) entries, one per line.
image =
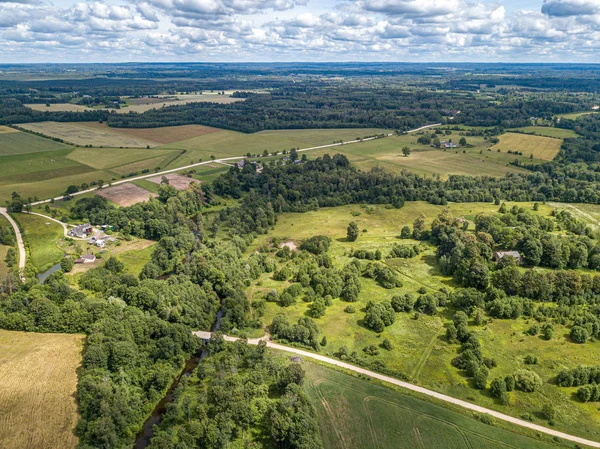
point(548, 131)
point(17, 142)
point(7, 130)
point(545, 148)
point(37, 392)
point(141, 105)
point(357, 413)
point(575, 115)
point(80, 134)
point(41, 237)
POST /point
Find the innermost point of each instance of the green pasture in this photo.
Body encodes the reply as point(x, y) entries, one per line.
point(548, 131)
point(426, 160)
point(359, 413)
point(575, 115)
point(231, 143)
point(18, 142)
point(41, 237)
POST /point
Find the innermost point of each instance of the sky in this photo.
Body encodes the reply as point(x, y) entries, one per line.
point(299, 30)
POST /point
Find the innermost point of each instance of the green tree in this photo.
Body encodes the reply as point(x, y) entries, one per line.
point(353, 232)
point(406, 151)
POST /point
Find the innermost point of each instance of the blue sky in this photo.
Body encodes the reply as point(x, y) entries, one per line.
point(299, 30)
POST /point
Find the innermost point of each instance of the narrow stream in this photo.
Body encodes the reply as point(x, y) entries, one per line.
point(142, 439)
point(46, 274)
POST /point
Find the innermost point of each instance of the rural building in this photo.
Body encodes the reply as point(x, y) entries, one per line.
point(240, 164)
point(86, 258)
point(500, 254)
point(100, 243)
point(446, 144)
point(81, 231)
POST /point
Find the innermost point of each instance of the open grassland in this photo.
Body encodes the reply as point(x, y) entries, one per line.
point(548, 131)
point(141, 105)
point(115, 157)
point(42, 238)
point(545, 148)
point(425, 160)
point(209, 172)
point(16, 142)
point(576, 115)
point(358, 413)
point(37, 392)
point(232, 143)
point(421, 351)
point(167, 134)
point(80, 134)
point(587, 213)
point(58, 107)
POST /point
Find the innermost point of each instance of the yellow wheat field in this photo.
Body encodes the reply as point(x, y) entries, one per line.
point(38, 381)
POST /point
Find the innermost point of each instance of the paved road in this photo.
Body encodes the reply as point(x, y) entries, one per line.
point(222, 160)
point(20, 244)
point(415, 388)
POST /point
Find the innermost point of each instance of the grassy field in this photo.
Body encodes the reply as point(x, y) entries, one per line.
point(139, 105)
point(80, 134)
point(18, 142)
point(547, 131)
point(37, 392)
point(575, 115)
point(116, 157)
point(168, 134)
point(42, 237)
point(588, 213)
point(356, 413)
point(425, 160)
point(545, 148)
point(420, 350)
point(231, 143)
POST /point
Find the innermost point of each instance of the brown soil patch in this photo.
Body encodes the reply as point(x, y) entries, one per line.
point(126, 194)
point(290, 244)
point(167, 134)
point(178, 181)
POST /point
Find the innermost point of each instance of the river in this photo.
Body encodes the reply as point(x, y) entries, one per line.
point(46, 274)
point(142, 439)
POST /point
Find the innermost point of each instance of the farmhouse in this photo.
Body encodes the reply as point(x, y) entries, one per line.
point(448, 144)
point(86, 258)
point(240, 164)
point(81, 231)
point(500, 254)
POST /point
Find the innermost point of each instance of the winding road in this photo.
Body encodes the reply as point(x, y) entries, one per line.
point(415, 388)
point(20, 244)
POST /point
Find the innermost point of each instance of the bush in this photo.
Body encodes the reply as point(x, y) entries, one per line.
point(531, 360)
point(318, 244)
point(379, 315)
point(527, 381)
point(579, 334)
point(387, 345)
point(498, 387)
point(403, 303)
point(350, 309)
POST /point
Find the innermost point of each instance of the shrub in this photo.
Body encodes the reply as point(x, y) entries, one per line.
point(579, 334)
point(526, 380)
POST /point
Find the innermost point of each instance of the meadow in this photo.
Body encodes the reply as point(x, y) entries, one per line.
point(545, 148)
point(41, 237)
point(425, 160)
point(359, 413)
point(78, 133)
point(39, 381)
point(548, 131)
point(17, 142)
point(420, 350)
point(575, 115)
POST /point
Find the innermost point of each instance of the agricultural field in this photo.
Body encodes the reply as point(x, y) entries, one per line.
point(79, 133)
point(58, 107)
point(357, 413)
point(425, 160)
point(39, 381)
point(13, 142)
point(178, 181)
point(545, 148)
point(126, 194)
point(232, 143)
point(420, 350)
point(141, 105)
point(548, 131)
point(167, 134)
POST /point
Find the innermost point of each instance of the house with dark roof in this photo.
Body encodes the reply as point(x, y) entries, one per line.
point(497, 255)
